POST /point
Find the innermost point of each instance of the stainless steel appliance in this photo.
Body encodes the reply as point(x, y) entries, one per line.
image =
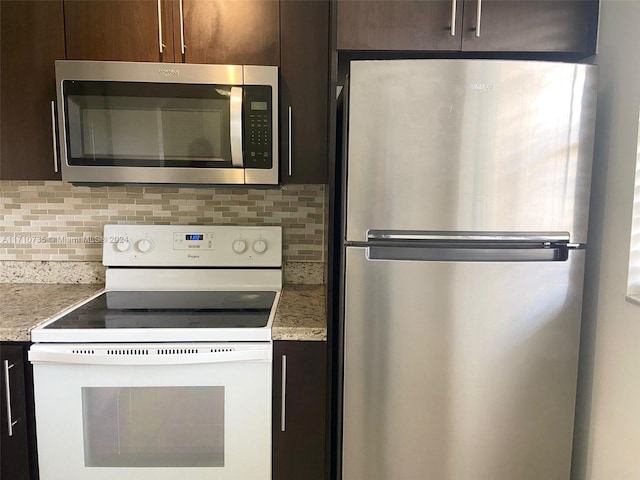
point(167, 373)
point(466, 192)
point(146, 123)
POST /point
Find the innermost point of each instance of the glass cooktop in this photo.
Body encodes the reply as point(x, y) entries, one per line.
point(171, 309)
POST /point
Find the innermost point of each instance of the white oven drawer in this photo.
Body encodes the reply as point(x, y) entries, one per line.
point(162, 411)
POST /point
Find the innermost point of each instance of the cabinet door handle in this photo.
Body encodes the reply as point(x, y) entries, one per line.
point(54, 136)
point(7, 384)
point(453, 17)
point(182, 29)
point(478, 18)
point(160, 44)
point(283, 393)
point(290, 141)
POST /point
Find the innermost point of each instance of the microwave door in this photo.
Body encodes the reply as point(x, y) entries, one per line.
point(235, 126)
point(124, 124)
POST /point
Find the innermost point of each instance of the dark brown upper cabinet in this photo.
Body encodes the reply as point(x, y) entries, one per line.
point(191, 31)
point(239, 32)
point(304, 90)
point(134, 31)
point(567, 26)
point(31, 38)
point(399, 25)
point(549, 26)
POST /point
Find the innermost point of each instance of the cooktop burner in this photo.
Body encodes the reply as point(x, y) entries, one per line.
point(171, 309)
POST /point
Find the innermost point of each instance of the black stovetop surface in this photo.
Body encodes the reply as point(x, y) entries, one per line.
point(171, 309)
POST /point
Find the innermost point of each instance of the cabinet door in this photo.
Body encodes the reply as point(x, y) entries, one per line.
point(399, 25)
point(304, 90)
point(299, 377)
point(14, 449)
point(32, 38)
point(119, 30)
point(530, 26)
point(238, 32)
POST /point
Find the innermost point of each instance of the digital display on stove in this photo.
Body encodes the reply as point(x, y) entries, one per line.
point(191, 236)
point(171, 309)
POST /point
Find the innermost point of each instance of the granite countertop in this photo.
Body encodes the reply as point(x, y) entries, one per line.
point(26, 305)
point(300, 316)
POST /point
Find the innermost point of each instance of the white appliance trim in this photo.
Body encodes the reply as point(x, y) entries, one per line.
point(259, 334)
point(192, 279)
point(150, 354)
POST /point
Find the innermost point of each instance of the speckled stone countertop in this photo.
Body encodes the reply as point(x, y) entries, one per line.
point(26, 305)
point(300, 316)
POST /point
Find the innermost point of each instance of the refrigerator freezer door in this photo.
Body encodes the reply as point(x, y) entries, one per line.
point(475, 145)
point(460, 371)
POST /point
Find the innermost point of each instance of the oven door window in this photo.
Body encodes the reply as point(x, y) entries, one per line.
point(153, 426)
point(148, 125)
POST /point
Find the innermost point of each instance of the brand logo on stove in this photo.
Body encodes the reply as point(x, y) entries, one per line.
point(189, 255)
point(169, 72)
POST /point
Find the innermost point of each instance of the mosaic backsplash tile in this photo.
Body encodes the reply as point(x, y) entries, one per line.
point(54, 221)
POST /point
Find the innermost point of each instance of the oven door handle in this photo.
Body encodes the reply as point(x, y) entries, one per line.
point(148, 357)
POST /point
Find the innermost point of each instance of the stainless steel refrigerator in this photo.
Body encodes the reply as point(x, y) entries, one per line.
point(465, 202)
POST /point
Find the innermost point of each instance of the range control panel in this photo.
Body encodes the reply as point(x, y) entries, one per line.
point(192, 246)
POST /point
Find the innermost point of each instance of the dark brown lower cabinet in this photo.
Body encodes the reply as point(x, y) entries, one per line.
point(299, 377)
point(14, 434)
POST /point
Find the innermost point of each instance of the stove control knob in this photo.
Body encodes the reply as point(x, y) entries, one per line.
point(144, 246)
point(122, 246)
point(239, 246)
point(259, 246)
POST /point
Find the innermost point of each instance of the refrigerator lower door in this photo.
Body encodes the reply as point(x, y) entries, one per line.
point(460, 370)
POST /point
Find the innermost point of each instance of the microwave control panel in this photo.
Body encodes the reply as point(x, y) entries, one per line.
point(258, 126)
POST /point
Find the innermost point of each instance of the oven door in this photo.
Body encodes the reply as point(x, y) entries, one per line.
point(125, 412)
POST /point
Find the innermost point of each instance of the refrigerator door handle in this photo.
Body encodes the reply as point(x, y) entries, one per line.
point(464, 236)
point(479, 252)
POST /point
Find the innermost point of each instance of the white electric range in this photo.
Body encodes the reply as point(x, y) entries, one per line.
point(165, 373)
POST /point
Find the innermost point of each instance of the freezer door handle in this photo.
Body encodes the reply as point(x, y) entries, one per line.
point(480, 252)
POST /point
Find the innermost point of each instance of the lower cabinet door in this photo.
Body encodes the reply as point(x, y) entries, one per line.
point(14, 448)
point(299, 377)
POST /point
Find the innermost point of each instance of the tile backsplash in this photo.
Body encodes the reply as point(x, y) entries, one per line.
point(54, 221)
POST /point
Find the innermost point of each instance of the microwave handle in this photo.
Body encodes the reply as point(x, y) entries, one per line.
point(235, 126)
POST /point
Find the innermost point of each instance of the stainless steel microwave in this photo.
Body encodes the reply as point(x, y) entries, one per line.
point(162, 123)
